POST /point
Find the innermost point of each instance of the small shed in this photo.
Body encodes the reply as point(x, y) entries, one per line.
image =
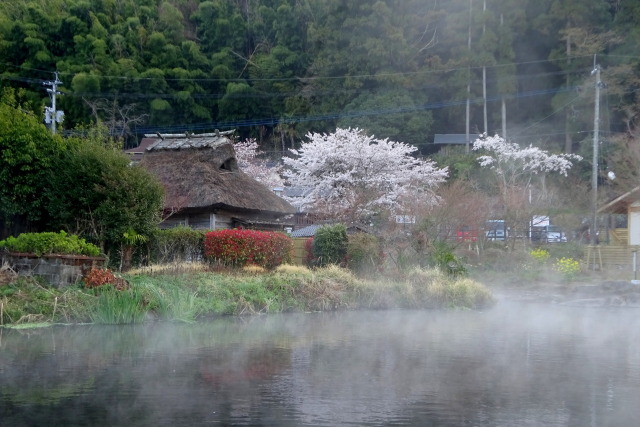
point(204, 188)
point(628, 204)
point(620, 241)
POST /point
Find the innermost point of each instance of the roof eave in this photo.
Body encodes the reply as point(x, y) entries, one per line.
point(619, 204)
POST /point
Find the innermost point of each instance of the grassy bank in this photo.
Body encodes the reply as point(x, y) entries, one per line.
point(179, 294)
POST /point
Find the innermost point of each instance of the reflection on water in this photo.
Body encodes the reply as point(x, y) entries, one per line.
point(512, 365)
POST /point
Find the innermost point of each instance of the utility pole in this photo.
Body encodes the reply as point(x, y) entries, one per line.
point(484, 69)
point(468, 80)
point(51, 115)
point(594, 172)
point(503, 102)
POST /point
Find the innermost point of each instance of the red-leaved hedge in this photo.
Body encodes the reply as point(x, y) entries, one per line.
point(238, 247)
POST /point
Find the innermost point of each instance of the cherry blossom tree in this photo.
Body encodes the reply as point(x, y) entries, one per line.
point(353, 176)
point(515, 169)
point(250, 162)
point(513, 164)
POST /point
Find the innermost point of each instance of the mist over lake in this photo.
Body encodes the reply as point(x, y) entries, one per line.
point(515, 364)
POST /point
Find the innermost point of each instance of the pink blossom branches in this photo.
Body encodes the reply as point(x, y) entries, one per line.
point(250, 162)
point(354, 174)
point(503, 154)
point(515, 168)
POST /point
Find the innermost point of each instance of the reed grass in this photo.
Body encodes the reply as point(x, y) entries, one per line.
point(115, 307)
point(28, 300)
point(179, 295)
point(174, 304)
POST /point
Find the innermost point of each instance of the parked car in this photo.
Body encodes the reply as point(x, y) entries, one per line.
point(554, 234)
point(548, 234)
point(495, 229)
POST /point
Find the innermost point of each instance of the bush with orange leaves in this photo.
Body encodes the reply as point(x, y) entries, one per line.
point(97, 277)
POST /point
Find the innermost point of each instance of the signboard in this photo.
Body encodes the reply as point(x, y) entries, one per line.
point(540, 221)
point(405, 219)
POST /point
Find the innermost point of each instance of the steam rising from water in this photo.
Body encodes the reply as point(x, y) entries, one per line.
point(512, 365)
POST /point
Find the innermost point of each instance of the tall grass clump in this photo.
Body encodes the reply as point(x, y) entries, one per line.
point(460, 293)
point(174, 304)
point(29, 300)
point(436, 289)
point(328, 288)
point(115, 307)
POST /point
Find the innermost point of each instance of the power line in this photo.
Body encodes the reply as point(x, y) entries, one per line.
point(272, 121)
point(320, 78)
point(260, 94)
point(553, 113)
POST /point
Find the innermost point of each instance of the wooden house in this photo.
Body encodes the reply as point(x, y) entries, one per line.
point(205, 189)
point(618, 240)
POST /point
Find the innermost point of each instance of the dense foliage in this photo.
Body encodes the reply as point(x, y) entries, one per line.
point(276, 69)
point(49, 243)
point(85, 186)
point(330, 245)
point(96, 193)
point(175, 245)
point(365, 254)
point(28, 152)
point(239, 247)
point(446, 260)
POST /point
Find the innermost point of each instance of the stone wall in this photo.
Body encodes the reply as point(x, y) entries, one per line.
point(57, 270)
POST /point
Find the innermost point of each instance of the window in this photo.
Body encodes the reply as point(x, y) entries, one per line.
point(229, 165)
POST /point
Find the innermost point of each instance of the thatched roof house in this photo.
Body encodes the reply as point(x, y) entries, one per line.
point(204, 187)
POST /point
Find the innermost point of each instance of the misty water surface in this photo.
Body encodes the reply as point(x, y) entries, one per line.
point(513, 365)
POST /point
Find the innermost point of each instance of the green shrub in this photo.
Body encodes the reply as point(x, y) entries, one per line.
point(48, 243)
point(176, 245)
point(330, 245)
point(364, 253)
point(444, 258)
point(107, 198)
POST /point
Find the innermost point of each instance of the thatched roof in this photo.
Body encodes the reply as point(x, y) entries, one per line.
point(201, 171)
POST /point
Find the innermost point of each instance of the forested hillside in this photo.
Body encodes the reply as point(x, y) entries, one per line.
point(276, 69)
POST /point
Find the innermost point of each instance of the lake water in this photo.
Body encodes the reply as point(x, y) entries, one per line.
point(512, 365)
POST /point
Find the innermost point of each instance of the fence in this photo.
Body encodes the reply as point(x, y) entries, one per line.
point(299, 253)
